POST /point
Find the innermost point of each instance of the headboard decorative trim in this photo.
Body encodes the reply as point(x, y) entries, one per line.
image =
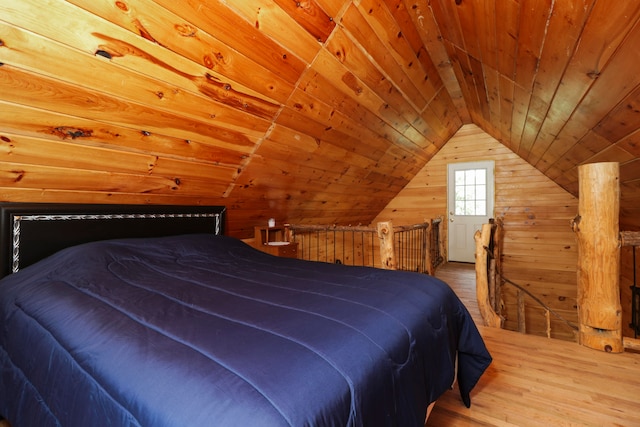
point(32, 231)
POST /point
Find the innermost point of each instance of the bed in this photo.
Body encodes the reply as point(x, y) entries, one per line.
point(151, 316)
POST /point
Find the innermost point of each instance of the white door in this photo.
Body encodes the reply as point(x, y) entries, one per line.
point(470, 204)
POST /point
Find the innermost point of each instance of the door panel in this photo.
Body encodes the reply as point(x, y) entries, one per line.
point(470, 196)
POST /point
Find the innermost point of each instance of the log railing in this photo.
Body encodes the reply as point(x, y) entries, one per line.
point(632, 238)
point(415, 247)
point(350, 245)
point(490, 279)
point(436, 245)
point(548, 311)
point(418, 247)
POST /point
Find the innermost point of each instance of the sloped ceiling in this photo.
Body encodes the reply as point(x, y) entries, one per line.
point(314, 111)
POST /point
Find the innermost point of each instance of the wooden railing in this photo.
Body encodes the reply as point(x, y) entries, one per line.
point(418, 247)
point(436, 244)
point(548, 311)
point(350, 245)
point(490, 279)
point(632, 238)
point(415, 247)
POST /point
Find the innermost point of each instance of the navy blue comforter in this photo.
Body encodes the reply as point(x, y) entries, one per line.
point(204, 330)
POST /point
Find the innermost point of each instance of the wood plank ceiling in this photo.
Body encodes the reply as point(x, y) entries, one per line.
point(309, 111)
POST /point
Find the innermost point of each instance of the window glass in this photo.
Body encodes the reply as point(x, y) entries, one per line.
point(471, 192)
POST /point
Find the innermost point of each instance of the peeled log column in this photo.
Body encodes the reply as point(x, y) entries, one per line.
point(387, 253)
point(597, 229)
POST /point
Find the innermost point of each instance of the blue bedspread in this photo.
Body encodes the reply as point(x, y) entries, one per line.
point(204, 330)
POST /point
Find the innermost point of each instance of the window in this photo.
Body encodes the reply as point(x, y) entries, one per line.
point(471, 192)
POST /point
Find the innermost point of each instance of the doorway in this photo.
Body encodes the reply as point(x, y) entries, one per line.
point(470, 193)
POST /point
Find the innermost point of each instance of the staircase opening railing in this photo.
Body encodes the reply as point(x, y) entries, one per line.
point(436, 244)
point(490, 279)
point(350, 245)
point(635, 299)
point(629, 238)
point(548, 311)
point(416, 247)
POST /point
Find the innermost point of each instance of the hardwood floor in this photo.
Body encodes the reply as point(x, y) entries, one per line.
point(462, 279)
point(535, 381)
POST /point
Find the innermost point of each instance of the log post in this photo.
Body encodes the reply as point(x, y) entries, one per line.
point(498, 239)
point(387, 253)
point(597, 230)
point(489, 316)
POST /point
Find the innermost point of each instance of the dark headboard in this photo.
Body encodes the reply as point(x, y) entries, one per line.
point(32, 231)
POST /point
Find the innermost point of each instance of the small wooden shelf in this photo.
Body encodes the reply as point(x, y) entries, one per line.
point(272, 241)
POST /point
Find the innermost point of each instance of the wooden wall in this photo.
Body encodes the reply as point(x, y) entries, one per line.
point(540, 250)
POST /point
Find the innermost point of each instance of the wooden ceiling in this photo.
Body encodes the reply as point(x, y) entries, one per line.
point(311, 111)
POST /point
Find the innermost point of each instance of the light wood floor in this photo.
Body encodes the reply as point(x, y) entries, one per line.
point(535, 381)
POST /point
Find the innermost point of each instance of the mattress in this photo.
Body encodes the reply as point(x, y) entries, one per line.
point(203, 330)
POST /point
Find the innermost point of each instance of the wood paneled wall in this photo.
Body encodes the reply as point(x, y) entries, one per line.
point(540, 250)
